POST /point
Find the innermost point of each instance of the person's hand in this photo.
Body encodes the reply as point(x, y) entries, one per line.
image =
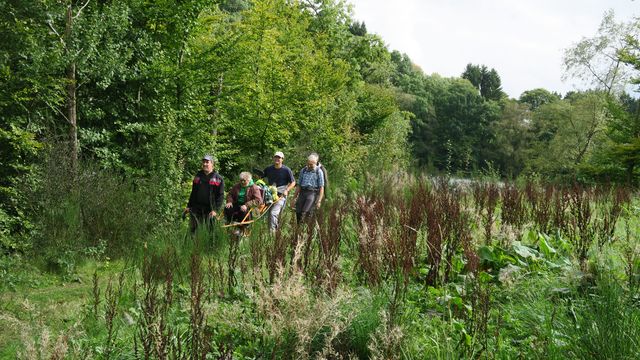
point(229, 205)
point(318, 204)
point(212, 214)
point(243, 208)
point(285, 193)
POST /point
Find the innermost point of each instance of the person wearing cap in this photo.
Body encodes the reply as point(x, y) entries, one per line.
point(310, 189)
point(280, 176)
point(207, 195)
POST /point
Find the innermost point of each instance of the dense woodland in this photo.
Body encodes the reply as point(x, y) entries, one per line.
point(106, 108)
point(141, 89)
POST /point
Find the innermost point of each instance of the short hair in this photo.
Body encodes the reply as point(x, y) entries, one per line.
point(313, 157)
point(245, 175)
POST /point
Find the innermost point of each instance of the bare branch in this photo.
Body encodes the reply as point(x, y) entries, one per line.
point(49, 22)
point(81, 8)
point(55, 108)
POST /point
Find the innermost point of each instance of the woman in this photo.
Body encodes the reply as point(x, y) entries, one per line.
point(242, 197)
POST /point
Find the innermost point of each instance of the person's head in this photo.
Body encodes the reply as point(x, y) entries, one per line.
point(278, 158)
point(312, 160)
point(245, 178)
point(207, 163)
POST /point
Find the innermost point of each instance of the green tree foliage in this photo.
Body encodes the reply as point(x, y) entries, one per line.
point(608, 60)
point(156, 84)
point(568, 132)
point(596, 60)
point(454, 134)
point(513, 137)
point(486, 81)
point(29, 97)
point(538, 97)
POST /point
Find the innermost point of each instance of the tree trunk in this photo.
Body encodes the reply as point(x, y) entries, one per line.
point(72, 115)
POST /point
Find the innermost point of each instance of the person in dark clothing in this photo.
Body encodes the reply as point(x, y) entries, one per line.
point(280, 176)
point(207, 195)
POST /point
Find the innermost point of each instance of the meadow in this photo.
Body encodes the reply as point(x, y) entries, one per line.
point(404, 267)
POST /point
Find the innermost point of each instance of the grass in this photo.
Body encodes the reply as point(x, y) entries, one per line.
point(43, 302)
point(306, 293)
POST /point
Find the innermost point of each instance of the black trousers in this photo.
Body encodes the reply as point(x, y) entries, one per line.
point(305, 204)
point(235, 214)
point(199, 218)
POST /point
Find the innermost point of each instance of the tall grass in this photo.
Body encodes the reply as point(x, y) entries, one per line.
point(405, 268)
point(608, 322)
point(94, 213)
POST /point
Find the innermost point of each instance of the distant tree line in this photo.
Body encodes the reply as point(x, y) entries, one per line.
point(468, 125)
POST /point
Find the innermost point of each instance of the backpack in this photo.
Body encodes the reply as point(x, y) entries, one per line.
point(269, 193)
point(325, 176)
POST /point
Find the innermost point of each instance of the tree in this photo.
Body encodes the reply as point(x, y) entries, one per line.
point(597, 61)
point(623, 131)
point(358, 28)
point(538, 97)
point(453, 130)
point(513, 137)
point(608, 61)
point(486, 81)
point(568, 132)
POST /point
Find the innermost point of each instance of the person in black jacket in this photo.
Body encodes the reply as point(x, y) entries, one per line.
point(207, 195)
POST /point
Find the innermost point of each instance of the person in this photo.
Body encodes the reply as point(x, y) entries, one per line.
point(207, 195)
point(310, 189)
point(325, 176)
point(241, 198)
point(280, 176)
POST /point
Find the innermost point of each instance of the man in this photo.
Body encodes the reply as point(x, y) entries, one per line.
point(325, 173)
point(310, 189)
point(241, 198)
point(207, 195)
point(282, 178)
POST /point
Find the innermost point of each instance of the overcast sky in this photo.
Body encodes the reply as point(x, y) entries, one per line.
point(522, 39)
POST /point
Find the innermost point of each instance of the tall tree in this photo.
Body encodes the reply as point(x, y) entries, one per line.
point(596, 61)
point(486, 80)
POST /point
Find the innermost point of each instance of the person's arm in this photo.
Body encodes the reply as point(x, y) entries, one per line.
point(192, 196)
point(320, 196)
point(256, 197)
point(320, 182)
point(230, 197)
point(292, 183)
point(297, 185)
point(219, 196)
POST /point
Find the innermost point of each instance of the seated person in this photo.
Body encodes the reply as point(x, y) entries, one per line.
point(242, 197)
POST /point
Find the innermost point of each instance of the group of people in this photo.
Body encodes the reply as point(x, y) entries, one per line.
point(207, 193)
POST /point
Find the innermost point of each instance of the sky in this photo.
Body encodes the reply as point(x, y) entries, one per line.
point(524, 40)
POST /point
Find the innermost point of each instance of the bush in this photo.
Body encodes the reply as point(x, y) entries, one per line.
point(74, 215)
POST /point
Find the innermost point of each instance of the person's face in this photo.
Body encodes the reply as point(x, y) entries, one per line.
point(207, 166)
point(245, 182)
point(311, 164)
point(277, 160)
